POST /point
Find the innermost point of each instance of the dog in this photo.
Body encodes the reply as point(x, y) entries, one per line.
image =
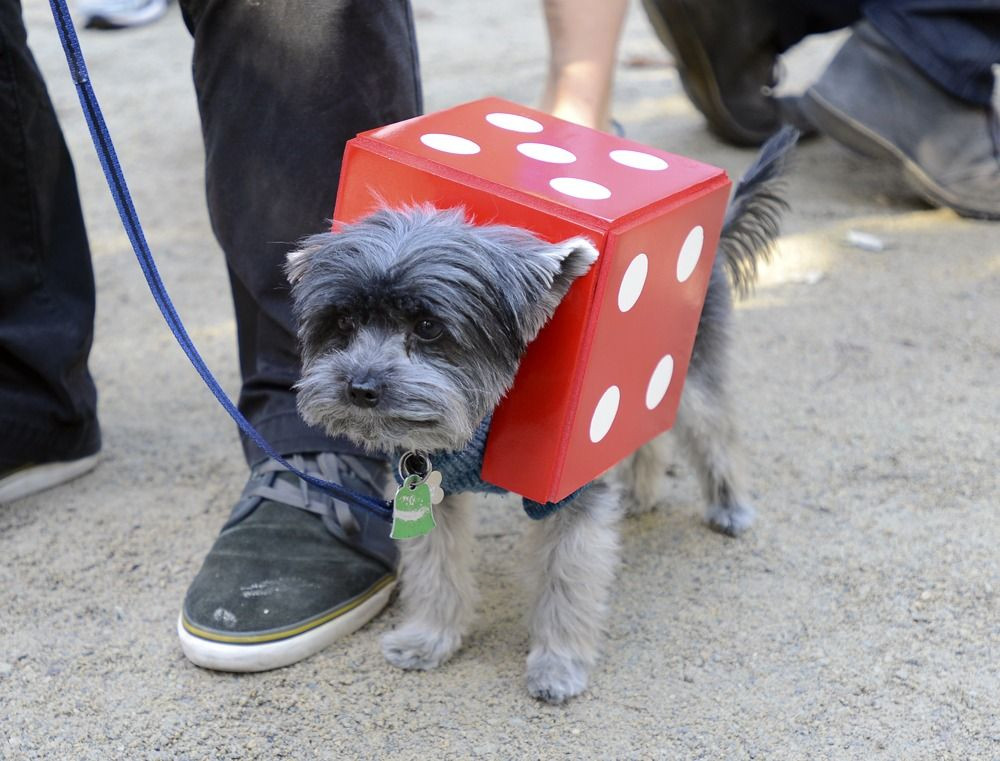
point(412, 323)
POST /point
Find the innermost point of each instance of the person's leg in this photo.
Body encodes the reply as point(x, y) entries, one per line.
point(956, 43)
point(583, 49)
point(797, 19)
point(281, 87)
point(953, 42)
point(48, 403)
point(912, 85)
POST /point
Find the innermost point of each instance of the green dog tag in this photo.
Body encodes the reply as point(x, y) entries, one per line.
point(412, 509)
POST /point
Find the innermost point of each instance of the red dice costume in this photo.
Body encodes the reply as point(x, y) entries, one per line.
point(605, 375)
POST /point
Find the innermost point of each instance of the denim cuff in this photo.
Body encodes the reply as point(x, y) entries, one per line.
point(960, 63)
point(288, 434)
point(27, 443)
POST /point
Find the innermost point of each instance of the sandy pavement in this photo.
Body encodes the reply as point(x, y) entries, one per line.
point(858, 620)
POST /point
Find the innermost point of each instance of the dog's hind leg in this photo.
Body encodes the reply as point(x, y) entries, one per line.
point(643, 477)
point(437, 589)
point(710, 441)
point(573, 555)
point(704, 419)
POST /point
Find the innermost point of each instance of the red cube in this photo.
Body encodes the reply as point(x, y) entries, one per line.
point(605, 375)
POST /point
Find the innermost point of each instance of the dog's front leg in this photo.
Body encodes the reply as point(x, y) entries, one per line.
point(438, 591)
point(573, 555)
point(643, 477)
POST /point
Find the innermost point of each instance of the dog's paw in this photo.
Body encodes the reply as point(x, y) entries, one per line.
point(731, 520)
point(417, 647)
point(553, 678)
point(638, 502)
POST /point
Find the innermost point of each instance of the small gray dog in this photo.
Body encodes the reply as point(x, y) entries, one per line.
point(412, 325)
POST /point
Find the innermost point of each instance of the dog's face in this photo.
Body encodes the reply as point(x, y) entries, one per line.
point(412, 323)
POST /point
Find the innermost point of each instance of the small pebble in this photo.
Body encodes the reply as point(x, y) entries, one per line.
point(810, 277)
point(864, 241)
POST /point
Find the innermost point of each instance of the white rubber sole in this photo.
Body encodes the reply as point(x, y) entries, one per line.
point(31, 480)
point(100, 17)
point(223, 656)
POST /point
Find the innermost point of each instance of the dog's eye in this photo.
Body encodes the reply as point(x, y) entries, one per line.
point(346, 323)
point(428, 330)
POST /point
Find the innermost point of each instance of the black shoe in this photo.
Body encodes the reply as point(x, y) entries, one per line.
point(873, 100)
point(292, 570)
point(726, 54)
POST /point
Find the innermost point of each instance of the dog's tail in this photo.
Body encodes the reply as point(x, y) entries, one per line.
point(753, 218)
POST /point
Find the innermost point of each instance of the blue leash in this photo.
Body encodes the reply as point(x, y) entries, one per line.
point(133, 228)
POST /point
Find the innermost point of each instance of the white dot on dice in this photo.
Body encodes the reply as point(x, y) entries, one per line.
point(659, 382)
point(632, 282)
point(513, 122)
point(639, 160)
point(449, 143)
point(690, 253)
point(548, 153)
point(604, 414)
point(577, 188)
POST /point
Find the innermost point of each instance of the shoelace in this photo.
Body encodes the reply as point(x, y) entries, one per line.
point(270, 481)
point(304, 497)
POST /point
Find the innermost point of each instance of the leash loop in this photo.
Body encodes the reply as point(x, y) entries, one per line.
point(414, 463)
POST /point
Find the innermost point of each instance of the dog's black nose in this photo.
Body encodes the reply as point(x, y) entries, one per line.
point(364, 393)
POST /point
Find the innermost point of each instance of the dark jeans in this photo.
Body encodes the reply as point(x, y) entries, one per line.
point(281, 87)
point(48, 405)
point(954, 42)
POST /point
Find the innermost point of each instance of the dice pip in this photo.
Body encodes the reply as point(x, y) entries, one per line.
point(605, 375)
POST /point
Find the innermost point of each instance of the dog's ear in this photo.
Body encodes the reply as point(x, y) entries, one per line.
point(562, 263)
point(573, 258)
point(297, 262)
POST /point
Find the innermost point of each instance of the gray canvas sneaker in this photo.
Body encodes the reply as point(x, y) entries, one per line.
point(874, 101)
point(291, 571)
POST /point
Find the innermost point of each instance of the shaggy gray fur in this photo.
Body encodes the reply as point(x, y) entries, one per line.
point(489, 288)
point(412, 325)
point(753, 218)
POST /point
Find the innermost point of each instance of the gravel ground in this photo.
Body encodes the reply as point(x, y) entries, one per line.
point(857, 620)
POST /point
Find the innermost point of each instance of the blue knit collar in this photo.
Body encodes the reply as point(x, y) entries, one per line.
point(461, 471)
